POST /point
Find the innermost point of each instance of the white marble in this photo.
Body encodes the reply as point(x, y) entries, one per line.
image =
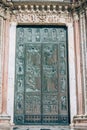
point(11, 71)
point(72, 78)
point(1, 61)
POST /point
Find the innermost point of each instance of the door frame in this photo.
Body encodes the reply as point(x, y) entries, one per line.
point(41, 18)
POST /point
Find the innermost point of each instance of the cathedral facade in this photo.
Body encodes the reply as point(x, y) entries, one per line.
point(43, 62)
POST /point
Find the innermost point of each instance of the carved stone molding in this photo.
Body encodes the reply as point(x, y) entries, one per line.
point(8, 8)
point(40, 11)
point(39, 18)
point(2, 12)
point(5, 9)
point(41, 14)
point(79, 6)
point(80, 120)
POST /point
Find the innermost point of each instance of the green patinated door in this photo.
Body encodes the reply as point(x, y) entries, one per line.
point(41, 87)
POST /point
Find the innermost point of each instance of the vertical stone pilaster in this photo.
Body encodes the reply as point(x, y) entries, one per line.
point(86, 62)
point(11, 70)
point(78, 66)
point(5, 73)
point(72, 79)
point(1, 32)
point(4, 118)
point(80, 45)
point(83, 53)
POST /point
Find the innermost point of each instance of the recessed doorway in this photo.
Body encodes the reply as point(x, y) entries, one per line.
point(41, 77)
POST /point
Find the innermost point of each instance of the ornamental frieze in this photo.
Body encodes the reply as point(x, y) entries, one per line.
point(35, 15)
point(39, 18)
point(40, 11)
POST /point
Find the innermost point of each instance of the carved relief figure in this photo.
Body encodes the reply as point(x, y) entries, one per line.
point(37, 35)
point(62, 67)
point(20, 50)
point(21, 34)
point(36, 104)
point(19, 101)
point(63, 103)
point(20, 84)
point(54, 35)
point(33, 104)
point(47, 109)
point(63, 84)
point(50, 82)
point(31, 79)
point(50, 56)
point(20, 69)
point(29, 35)
point(33, 55)
point(46, 34)
point(54, 109)
point(62, 51)
point(62, 34)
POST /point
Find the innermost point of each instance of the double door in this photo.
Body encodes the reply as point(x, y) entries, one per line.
point(41, 87)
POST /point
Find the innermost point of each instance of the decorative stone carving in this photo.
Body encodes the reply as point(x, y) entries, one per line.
point(75, 16)
point(41, 14)
point(2, 11)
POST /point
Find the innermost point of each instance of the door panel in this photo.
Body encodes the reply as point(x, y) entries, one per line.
point(41, 86)
point(32, 79)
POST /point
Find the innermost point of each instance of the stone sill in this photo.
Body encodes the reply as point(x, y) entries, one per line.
point(80, 121)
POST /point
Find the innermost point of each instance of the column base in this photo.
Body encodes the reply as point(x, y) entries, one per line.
point(80, 121)
point(5, 119)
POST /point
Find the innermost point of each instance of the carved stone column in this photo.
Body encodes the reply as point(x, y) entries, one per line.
point(86, 62)
point(80, 46)
point(83, 53)
point(4, 118)
point(1, 31)
point(78, 66)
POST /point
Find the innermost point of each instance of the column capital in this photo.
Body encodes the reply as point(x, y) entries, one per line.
point(75, 16)
point(13, 23)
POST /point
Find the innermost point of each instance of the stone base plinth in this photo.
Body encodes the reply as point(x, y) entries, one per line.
point(80, 121)
point(4, 119)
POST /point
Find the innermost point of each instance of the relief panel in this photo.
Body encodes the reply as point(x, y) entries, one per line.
point(41, 86)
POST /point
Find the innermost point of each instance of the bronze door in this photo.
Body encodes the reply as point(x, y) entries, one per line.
point(41, 86)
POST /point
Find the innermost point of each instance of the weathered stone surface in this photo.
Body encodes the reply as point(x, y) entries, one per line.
point(40, 127)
